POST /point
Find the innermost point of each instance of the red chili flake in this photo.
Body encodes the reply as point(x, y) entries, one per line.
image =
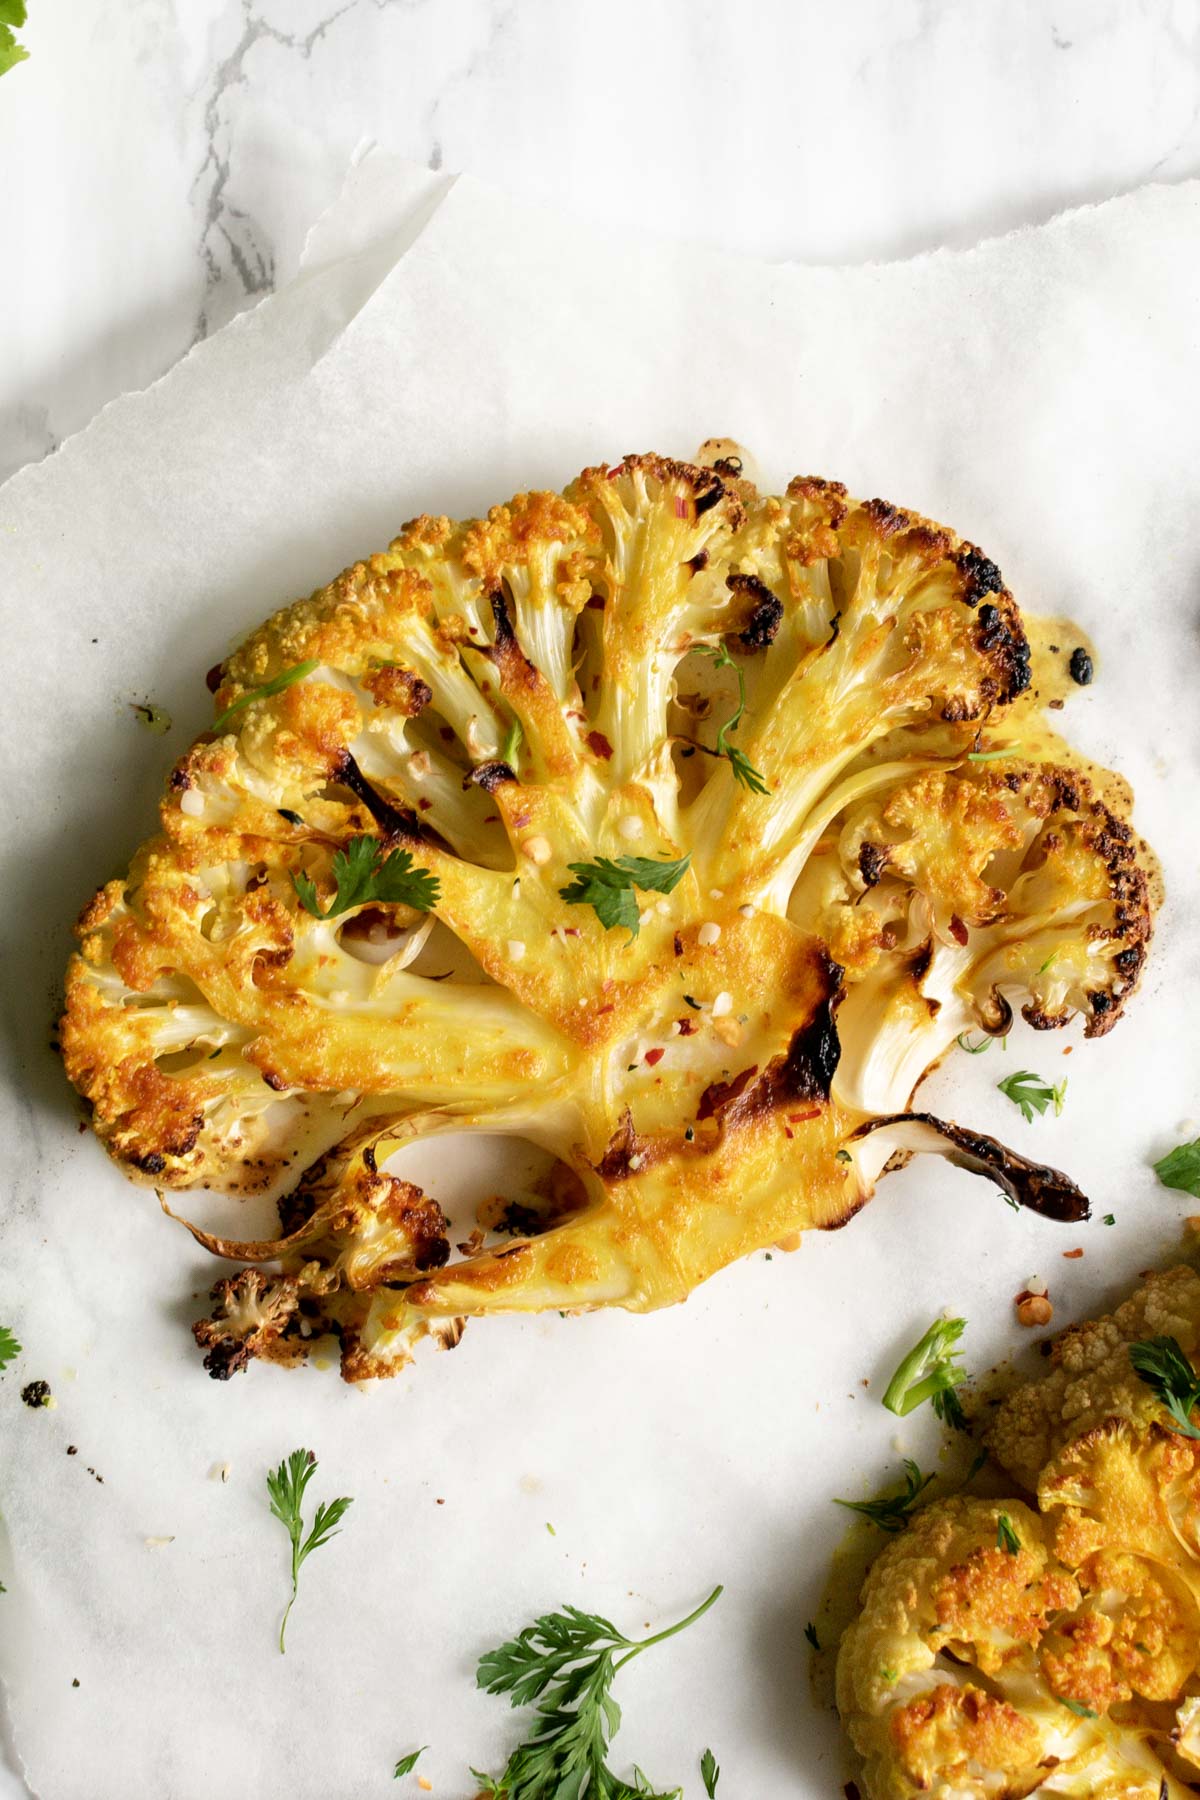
point(445, 733)
point(678, 945)
point(788, 1132)
point(1072, 1254)
point(570, 931)
point(686, 1027)
point(814, 1112)
point(599, 745)
point(424, 805)
point(492, 819)
point(605, 1009)
point(654, 1056)
point(1068, 1049)
point(958, 930)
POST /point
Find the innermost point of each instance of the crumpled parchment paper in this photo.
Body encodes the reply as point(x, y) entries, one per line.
point(444, 347)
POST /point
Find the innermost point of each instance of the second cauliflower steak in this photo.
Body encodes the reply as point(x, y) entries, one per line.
point(534, 722)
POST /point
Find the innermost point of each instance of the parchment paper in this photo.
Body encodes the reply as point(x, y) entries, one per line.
point(1039, 394)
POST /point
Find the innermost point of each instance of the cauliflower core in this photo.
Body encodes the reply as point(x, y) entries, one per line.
point(886, 848)
point(1070, 1663)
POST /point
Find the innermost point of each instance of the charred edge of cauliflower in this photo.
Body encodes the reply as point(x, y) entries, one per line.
point(1091, 1380)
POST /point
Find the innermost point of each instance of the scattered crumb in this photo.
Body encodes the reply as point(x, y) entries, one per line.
point(1072, 1254)
point(439, 1503)
point(37, 1393)
point(72, 1450)
point(75, 1679)
point(158, 1543)
point(154, 718)
point(220, 1471)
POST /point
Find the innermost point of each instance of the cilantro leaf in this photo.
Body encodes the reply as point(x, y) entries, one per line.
point(608, 887)
point(1006, 1536)
point(286, 1486)
point(930, 1371)
point(890, 1511)
point(564, 1664)
point(744, 772)
point(264, 692)
point(9, 1347)
point(12, 12)
point(1032, 1094)
point(408, 1763)
point(710, 1774)
point(1166, 1371)
point(363, 873)
point(1180, 1168)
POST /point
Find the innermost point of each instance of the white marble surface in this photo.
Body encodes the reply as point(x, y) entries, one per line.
point(165, 159)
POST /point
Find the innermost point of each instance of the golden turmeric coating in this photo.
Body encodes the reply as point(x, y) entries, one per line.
point(882, 849)
point(1002, 1651)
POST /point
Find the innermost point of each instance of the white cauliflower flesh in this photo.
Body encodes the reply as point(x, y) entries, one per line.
point(726, 812)
point(1005, 1651)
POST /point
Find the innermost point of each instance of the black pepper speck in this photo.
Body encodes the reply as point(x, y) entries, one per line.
point(1081, 667)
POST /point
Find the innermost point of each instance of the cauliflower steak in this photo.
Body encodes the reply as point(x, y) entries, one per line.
point(672, 827)
point(1007, 1651)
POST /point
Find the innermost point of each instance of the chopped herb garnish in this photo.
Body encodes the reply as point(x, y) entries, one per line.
point(565, 1664)
point(265, 691)
point(810, 1632)
point(363, 873)
point(991, 755)
point(12, 12)
point(978, 1049)
point(930, 1371)
point(843, 1156)
point(1077, 1707)
point(512, 745)
point(9, 1347)
point(744, 771)
point(1180, 1168)
point(1109, 1219)
point(1169, 1375)
point(694, 1004)
point(608, 887)
point(710, 1774)
point(890, 1511)
point(1006, 1537)
point(948, 1408)
point(1032, 1094)
point(408, 1763)
point(1044, 966)
point(286, 1488)
point(293, 818)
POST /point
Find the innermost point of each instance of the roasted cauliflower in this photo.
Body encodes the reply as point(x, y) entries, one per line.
point(1001, 1651)
point(727, 814)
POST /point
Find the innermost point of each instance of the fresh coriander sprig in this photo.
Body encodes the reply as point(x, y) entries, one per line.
point(930, 1371)
point(565, 1664)
point(286, 1488)
point(362, 872)
point(710, 1774)
point(408, 1763)
point(608, 887)
point(1169, 1375)
point(1032, 1094)
point(744, 772)
point(265, 690)
point(890, 1511)
point(9, 1347)
point(1180, 1168)
point(1006, 1536)
point(12, 12)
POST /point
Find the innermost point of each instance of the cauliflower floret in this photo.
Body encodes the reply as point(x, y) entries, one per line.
point(1091, 1379)
point(682, 782)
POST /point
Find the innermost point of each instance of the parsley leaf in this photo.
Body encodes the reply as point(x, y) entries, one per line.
point(1006, 1536)
point(408, 1763)
point(744, 772)
point(12, 12)
point(361, 876)
point(564, 1664)
point(1180, 1168)
point(265, 691)
point(286, 1488)
point(1032, 1094)
point(9, 1347)
point(890, 1511)
point(1169, 1375)
point(710, 1774)
point(930, 1371)
point(607, 886)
